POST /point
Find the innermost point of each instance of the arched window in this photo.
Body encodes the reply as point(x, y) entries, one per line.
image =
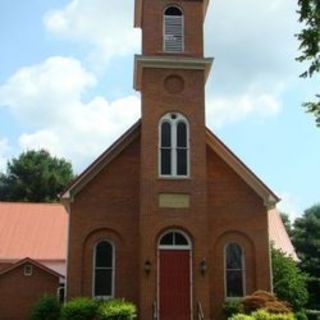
point(173, 30)
point(234, 271)
point(174, 146)
point(174, 240)
point(103, 281)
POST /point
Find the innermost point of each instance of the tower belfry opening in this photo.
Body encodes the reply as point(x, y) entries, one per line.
point(173, 30)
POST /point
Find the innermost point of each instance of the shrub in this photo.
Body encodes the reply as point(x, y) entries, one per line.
point(232, 307)
point(241, 316)
point(264, 300)
point(47, 308)
point(290, 284)
point(263, 315)
point(116, 310)
point(301, 315)
point(79, 309)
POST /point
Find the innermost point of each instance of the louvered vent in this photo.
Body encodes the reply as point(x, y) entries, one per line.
point(173, 30)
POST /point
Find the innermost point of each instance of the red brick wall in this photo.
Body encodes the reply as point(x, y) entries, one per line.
point(236, 214)
point(107, 208)
point(18, 292)
point(157, 101)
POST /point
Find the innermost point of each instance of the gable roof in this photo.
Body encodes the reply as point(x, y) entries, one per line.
point(269, 198)
point(279, 235)
point(33, 262)
point(106, 157)
point(35, 230)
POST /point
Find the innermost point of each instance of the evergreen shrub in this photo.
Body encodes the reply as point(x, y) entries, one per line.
point(116, 310)
point(46, 308)
point(80, 309)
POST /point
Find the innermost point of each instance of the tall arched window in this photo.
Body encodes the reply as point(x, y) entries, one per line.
point(234, 271)
point(173, 30)
point(103, 280)
point(174, 146)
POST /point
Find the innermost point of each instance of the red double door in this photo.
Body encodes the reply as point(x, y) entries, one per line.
point(174, 285)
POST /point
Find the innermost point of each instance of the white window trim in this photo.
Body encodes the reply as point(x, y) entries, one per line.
point(243, 270)
point(28, 270)
point(174, 123)
point(175, 247)
point(60, 288)
point(108, 268)
point(164, 30)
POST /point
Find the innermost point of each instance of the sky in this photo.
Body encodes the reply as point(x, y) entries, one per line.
point(66, 85)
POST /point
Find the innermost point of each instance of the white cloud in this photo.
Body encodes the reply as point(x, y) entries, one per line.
point(289, 205)
point(40, 93)
point(107, 26)
point(223, 110)
point(254, 48)
point(252, 42)
point(49, 98)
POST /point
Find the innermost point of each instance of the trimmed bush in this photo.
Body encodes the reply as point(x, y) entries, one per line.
point(241, 316)
point(263, 315)
point(80, 309)
point(47, 308)
point(116, 310)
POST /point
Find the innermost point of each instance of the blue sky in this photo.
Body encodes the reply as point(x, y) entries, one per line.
point(66, 85)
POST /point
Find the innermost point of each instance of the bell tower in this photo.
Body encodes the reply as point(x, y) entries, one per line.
point(160, 22)
point(171, 74)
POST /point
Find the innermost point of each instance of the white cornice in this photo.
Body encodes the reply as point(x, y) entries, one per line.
point(168, 62)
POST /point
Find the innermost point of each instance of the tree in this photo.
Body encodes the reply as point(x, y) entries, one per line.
point(306, 239)
point(289, 283)
point(35, 176)
point(309, 37)
point(286, 222)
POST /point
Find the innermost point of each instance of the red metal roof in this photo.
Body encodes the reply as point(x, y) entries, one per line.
point(279, 236)
point(34, 230)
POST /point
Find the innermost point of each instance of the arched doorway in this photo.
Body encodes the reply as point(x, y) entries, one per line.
point(174, 276)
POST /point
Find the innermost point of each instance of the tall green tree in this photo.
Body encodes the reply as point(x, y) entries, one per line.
point(306, 239)
point(35, 176)
point(289, 283)
point(309, 38)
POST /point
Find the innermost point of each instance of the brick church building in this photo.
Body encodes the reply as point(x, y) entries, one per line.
point(168, 217)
